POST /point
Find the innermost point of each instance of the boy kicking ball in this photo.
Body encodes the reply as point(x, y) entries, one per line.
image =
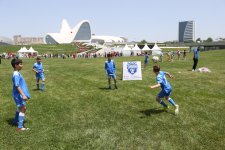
point(166, 88)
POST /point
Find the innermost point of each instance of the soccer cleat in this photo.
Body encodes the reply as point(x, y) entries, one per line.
point(166, 108)
point(22, 129)
point(176, 109)
point(116, 87)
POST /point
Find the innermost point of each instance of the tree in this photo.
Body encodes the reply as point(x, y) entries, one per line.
point(209, 39)
point(198, 40)
point(143, 42)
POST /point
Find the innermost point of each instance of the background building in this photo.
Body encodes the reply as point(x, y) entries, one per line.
point(19, 40)
point(5, 41)
point(186, 31)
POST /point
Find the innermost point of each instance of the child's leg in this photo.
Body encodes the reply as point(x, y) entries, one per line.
point(43, 84)
point(114, 78)
point(160, 101)
point(109, 81)
point(16, 119)
point(37, 84)
point(21, 116)
point(171, 101)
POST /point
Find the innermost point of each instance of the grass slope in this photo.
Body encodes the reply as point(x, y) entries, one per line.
point(78, 112)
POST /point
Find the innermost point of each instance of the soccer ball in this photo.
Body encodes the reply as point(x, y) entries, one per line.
point(155, 59)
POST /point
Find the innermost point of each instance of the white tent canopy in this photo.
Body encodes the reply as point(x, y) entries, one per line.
point(136, 48)
point(31, 50)
point(156, 50)
point(23, 50)
point(146, 48)
point(126, 50)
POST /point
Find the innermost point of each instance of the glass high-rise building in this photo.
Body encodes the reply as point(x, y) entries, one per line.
point(186, 31)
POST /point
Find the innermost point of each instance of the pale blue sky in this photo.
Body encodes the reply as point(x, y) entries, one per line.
point(150, 20)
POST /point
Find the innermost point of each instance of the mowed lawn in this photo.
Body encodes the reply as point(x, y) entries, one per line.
point(77, 111)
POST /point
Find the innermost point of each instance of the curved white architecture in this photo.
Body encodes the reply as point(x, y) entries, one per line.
point(81, 32)
point(5, 41)
point(106, 39)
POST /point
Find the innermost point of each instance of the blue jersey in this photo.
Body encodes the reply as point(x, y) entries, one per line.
point(146, 58)
point(110, 67)
point(196, 54)
point(38, 67)
point(18, 81)
point(161, 79)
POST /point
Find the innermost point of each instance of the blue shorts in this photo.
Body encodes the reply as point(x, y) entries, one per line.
point(164, 93)
point(111, 75)
point(146, 61)
point(40, 76)
point(19, 101)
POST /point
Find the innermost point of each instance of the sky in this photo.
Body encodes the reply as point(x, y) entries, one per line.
point(150, 20)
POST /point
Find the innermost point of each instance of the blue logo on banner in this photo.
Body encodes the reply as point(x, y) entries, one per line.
point(132, 67)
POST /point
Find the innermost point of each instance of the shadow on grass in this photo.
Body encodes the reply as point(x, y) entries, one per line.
point(36, 89)
point(104, 88)
point(153, 111)
point(10, 122)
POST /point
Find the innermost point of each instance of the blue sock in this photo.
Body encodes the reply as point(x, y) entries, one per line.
point(172, 102)
point(37, 86)
point(16, 119)
point(162, 103)
point(21, 119)
point(42, 86)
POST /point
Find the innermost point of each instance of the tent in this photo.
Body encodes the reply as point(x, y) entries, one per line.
point(126, 50)
point(146, 48)
point(136, 50)
point(23, 50)
point(156, 50)
point(31, 50)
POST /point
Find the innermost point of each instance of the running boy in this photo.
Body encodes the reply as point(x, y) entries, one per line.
point(166, 88)
point(39, 71)
point(20, 94)
point(110, 69)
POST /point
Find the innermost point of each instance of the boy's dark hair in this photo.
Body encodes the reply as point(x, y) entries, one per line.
point(38, 58)
point(156, 68)
point(15, 62)
point(109, 55)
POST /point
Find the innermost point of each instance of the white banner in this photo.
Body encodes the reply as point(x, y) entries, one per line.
point(132, 70)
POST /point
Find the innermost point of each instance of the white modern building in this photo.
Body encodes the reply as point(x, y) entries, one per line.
point(81, 32)
point(107, 39)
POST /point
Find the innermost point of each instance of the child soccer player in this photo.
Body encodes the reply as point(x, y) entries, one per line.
point(146, 59)
point(166, 88)
point(110, 70)
point(38, 69)
point(20, 94)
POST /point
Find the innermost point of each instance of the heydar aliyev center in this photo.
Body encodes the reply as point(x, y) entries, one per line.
point(81, 32)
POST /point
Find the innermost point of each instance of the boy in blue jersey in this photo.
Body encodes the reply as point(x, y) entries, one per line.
point(110, 69)
point(166, 88)
point(39, 71)
point(195, 58)
point(146, 59)
point(20, 94)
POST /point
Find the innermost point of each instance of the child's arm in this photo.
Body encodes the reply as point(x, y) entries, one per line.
point(155, 86)
point(167, 73)
point(21, 92)
point(35, 70)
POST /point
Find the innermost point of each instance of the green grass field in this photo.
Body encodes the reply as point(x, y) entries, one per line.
point(77, 111)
